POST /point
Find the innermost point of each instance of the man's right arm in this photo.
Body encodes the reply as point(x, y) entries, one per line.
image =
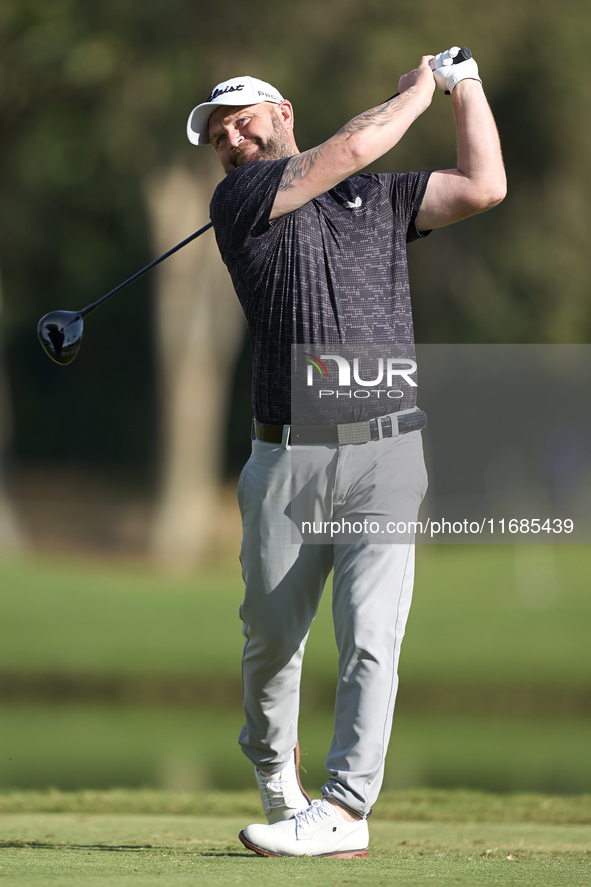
point(363, 140)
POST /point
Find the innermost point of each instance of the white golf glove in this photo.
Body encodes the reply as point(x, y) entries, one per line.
point(448, 74)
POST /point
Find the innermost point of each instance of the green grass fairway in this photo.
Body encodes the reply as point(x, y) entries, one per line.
point(480, 614)
point(114, 674)
point(87, 849)
point(177, 748)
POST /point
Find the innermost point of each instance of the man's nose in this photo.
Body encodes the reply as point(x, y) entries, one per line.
point(234, 137)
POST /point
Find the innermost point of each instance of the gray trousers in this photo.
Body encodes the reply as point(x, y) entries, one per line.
point(372, 590)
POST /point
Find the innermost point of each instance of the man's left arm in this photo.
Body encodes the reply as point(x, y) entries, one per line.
point(478, 183)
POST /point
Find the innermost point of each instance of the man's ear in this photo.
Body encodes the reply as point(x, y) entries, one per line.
point(285, 111)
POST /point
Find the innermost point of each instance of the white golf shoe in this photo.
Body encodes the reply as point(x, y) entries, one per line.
point(282, 794)
point(317, 831)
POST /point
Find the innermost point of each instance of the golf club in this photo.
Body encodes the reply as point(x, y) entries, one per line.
point(60, 332)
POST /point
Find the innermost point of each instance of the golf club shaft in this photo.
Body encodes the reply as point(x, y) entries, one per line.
point(86, 311)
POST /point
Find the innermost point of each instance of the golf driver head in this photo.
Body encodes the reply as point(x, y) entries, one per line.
point(60, 333)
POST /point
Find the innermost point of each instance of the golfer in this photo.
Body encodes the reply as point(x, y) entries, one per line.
point(317, 255)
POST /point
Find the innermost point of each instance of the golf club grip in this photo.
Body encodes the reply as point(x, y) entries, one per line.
point(463, 55)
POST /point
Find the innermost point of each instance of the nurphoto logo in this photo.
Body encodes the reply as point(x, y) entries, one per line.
point(376, 372)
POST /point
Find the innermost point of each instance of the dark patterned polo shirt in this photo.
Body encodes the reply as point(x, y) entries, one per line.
point(333, 271)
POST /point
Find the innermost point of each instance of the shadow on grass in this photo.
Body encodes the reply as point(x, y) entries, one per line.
point(122, 848)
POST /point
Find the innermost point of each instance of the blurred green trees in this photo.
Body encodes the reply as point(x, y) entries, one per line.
point(94, 98)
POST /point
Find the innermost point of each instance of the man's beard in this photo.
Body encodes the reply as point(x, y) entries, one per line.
point(275, 147)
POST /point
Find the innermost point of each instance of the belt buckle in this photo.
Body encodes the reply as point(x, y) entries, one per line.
point(381, 427)
point(387, 426)
point(375, 427)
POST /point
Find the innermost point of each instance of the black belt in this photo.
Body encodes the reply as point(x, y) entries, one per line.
point(349, 433)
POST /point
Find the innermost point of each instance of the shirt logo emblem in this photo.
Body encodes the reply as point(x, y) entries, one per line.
point(355, 205)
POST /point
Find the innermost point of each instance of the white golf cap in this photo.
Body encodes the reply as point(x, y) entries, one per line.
point(238, 91)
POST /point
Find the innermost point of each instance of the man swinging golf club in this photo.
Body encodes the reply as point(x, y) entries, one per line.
point(319, 257)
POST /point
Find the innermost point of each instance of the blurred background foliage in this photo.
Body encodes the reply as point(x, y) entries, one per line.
point(94, 98)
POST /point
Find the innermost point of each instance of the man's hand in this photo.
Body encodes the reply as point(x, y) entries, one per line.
point(448, 74)
point(421, 77)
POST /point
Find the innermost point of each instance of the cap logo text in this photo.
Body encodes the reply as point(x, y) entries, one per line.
point(218, 92)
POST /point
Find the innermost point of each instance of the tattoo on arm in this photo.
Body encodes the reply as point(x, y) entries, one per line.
point(380, 116)
point(298, 167)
